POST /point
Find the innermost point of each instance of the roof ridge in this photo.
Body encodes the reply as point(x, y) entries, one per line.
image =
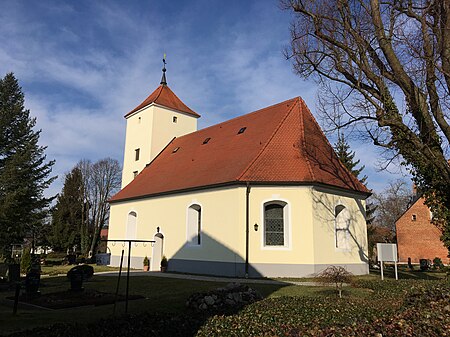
point(350, 174)
point(241, 116)
point(159, 94)
point(164, 97)
point(271, 137)
point(302, 130)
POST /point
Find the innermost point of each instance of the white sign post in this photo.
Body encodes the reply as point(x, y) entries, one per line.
point(387, 252)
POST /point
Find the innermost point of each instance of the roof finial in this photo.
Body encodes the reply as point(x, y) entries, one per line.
point(163, 79)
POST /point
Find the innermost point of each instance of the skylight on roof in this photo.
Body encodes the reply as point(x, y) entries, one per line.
point(206, 140)
point(175, 149)
point(241, 130)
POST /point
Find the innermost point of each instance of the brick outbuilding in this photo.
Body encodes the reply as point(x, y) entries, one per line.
point(417, 237)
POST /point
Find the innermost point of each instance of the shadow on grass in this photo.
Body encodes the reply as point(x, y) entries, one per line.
point(163, 312)
point(415, 274)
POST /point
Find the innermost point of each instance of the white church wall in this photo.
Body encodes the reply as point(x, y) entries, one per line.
point(221, 217)
point(340, 232)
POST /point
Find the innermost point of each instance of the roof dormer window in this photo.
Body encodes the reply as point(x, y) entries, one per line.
point(242, 130)
point(206, 140)
point(175, 149)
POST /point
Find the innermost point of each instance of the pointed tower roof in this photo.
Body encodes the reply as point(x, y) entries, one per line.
point(280, 144)
point(165, 97)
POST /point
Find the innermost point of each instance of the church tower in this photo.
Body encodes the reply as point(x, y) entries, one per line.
point(152, 125)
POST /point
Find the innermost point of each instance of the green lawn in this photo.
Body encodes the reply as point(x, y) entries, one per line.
point(161, 295)
point(63, 269)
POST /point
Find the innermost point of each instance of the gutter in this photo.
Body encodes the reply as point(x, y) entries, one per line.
point(247, 226)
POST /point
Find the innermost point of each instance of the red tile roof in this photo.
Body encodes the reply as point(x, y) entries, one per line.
point(165, 97)
point(281, 144)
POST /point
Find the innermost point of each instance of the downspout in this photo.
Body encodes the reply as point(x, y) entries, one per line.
point(247, 226)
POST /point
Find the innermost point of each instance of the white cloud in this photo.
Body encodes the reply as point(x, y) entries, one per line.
point(79, 80)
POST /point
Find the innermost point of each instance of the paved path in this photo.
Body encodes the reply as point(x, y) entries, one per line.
point(208, 278)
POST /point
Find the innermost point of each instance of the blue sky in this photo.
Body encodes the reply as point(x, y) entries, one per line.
point(84, 64)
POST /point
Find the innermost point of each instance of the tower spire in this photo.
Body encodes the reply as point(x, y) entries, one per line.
point(163, 79)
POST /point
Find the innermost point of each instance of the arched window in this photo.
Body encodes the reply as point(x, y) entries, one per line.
point(131, 226)
point(275, 228)
point(194, 225)
point(342, 227)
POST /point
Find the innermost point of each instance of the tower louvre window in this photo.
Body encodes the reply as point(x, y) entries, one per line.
point(174, 119)
point(136, 154)
point(242, 130)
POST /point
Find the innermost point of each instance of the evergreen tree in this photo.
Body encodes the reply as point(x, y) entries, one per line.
point(24, 171)
point(67, 213)
point(347, 157)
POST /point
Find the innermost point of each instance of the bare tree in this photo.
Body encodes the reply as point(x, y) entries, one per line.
point(391, 204)
point(390, 64)
point(334, 275)
point(100, 181)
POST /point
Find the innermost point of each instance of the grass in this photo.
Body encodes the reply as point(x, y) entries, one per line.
point(161, 295)
point(404, 273)
point(63, 269)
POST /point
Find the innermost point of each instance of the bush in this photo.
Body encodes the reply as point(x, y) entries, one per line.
point(56, 255)
point(336, 275)
point(437, 263)
point(25, 262)
point(146, 261)
point(86, 270)
point(164, 262)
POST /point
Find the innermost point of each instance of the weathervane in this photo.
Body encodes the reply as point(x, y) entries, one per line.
point(163, 79)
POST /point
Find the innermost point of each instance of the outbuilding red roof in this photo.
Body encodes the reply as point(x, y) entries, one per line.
point(280, 144)
point(165, 97)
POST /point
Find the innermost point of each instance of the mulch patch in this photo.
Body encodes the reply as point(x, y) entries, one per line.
point(70, 299)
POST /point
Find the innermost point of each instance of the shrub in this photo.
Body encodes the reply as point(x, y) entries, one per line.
point(56, 255)
point(437, 263)
point(164, 262)
point(25, 262)
point(146, 261)
point(337, 275)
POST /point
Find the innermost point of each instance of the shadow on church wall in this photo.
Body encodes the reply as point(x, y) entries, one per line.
point(211, 257)
point(321, 199)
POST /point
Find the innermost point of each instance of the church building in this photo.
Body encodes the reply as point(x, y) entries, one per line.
point(260, 195)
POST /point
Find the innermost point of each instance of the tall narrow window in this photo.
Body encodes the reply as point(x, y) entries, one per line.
point(274, 224)
point(136, 154)
point(174, 119)
point(342, 227)
point(194, 225)
point(131, 226)
point(135, 173)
